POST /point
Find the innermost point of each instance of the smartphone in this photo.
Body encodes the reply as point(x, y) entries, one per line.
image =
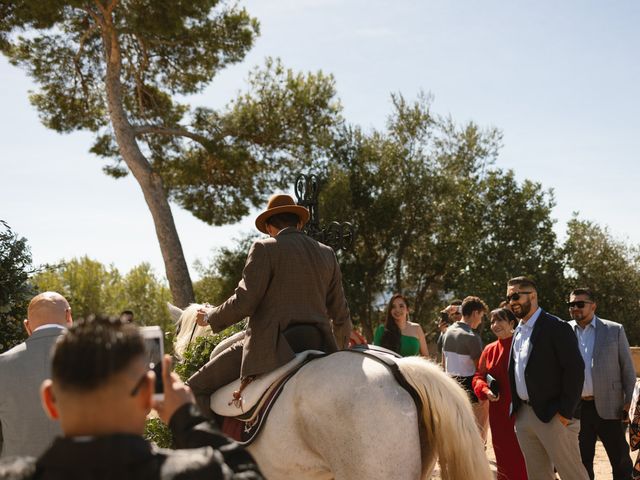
point(154, 346)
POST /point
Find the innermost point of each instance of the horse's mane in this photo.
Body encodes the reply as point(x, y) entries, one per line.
point(187, 333)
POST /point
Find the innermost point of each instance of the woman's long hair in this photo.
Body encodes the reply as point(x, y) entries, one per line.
point(391, 335)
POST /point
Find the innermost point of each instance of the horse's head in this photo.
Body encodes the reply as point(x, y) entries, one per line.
point(176, 313)
point(186, 326)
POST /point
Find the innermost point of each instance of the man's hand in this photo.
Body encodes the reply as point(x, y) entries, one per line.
point(442, 326)
point(176, 393)
point(563, 420)
point(625, 413)
point(356, 339)
point(201, 318)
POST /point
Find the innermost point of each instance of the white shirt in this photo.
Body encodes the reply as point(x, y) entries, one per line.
point(586, 342)
point(520, 352)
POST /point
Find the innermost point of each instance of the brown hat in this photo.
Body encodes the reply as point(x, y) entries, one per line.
point(281, 203)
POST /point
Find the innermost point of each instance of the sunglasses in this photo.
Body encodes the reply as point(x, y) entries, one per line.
point(516, 296)
point(578, 304)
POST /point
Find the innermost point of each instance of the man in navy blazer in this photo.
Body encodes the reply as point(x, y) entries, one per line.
point(609, 379)
point(546, 373)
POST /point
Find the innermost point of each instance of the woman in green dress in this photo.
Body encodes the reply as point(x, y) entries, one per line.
point(398, 333)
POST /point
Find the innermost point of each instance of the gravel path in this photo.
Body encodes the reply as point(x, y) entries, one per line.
point(602, 469)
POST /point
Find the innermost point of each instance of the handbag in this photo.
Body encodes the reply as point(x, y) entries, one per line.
point(492, 383)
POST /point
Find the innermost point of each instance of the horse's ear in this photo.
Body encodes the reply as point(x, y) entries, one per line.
point(175, 312)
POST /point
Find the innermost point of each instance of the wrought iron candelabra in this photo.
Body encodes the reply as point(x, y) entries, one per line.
point(338, 236)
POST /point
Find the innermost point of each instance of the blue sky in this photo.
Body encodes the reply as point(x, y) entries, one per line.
point(560, 79)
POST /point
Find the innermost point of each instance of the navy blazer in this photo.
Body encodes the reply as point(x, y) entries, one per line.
point(555, 370)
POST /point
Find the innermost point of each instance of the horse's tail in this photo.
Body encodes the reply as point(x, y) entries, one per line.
point(450, 426)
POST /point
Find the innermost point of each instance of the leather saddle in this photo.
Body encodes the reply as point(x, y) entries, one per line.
point(245, 405)
point(238, 398)
point(245, 402)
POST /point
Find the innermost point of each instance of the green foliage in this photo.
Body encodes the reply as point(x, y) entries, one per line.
point(434, 217)
point(162, 47)
point(284, 122)
point(198, 353)
point(513, 236)
point(608, 266)
point(86, 284)
point(158, 433)
point(15, 288)
point(220, 278)
point(92, 288)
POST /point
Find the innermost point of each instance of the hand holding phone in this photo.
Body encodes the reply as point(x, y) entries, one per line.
point(176, 393)
point(154, 343)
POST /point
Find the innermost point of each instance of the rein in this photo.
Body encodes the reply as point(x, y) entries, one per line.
point(195, 324)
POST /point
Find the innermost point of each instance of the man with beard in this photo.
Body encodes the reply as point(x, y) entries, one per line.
point(546, 373)
point(609, 378)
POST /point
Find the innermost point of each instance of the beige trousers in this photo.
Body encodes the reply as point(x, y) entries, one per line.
point(545, 445)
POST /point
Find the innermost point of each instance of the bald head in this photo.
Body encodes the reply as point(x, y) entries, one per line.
point(48, 307)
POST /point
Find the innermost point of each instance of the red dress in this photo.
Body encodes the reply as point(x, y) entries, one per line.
point(494, 360)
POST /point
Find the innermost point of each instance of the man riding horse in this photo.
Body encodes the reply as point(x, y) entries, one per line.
point(291, 290)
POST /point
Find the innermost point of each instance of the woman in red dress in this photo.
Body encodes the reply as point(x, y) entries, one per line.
point(494, 361)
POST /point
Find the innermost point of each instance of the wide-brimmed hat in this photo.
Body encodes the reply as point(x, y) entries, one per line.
point(281, 203)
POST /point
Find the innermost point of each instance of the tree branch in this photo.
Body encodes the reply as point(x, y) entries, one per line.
point(172, 131)
point(139, 72)
point(112, 6)
point(76, 58)
point(101, 8)
point(93, 15)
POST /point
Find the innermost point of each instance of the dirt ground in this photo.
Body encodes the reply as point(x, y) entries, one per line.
point(601, 466)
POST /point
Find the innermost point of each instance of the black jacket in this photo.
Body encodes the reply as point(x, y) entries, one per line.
point(555, 370)
point(206, 454)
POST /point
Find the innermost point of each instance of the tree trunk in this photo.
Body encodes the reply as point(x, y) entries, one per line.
point(150, 182)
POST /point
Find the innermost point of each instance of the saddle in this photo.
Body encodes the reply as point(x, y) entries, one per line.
point(246, 403)
point(239, 397)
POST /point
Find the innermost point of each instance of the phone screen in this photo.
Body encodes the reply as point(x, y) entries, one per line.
point(154, 349)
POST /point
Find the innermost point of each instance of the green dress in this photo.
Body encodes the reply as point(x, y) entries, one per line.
point(408, 345)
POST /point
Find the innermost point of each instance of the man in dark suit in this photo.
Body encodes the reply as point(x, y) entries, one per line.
point(609, 379)
point(291, 290)
point(24, 427)
point(546, 373)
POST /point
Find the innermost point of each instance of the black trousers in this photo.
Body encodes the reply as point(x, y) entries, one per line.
point(612, 436)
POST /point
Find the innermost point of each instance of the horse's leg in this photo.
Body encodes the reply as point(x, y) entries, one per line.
point(341, 417)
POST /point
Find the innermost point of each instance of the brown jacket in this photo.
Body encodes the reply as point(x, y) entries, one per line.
point(288, 279)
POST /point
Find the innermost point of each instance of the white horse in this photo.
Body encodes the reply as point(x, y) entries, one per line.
point(345, 417)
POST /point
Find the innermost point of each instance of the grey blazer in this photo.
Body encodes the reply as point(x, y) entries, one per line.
point(287, 279)
point(614, 376)
point(25, 428)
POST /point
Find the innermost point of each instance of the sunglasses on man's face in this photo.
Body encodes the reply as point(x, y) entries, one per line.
point(578, 304)
point(514, 297)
